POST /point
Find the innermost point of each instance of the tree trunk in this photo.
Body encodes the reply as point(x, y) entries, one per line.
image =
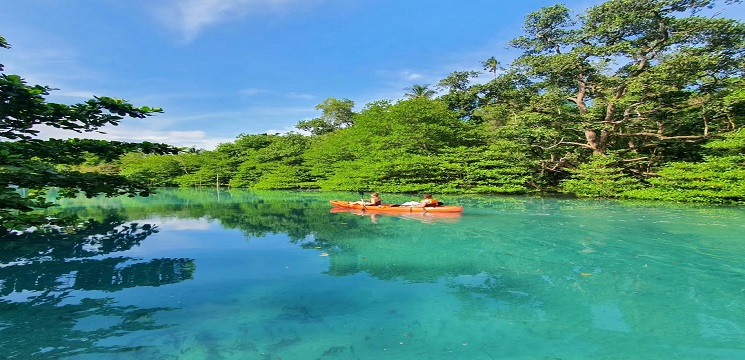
point(598, 144)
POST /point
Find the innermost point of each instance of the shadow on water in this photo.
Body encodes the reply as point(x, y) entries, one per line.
point(51, 286)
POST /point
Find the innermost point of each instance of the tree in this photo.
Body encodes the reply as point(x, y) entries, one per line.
point(600, 177)
point(33, 164)
point(153, 170)
point(272, 162)
point(638, 73)
point(391, 147)
point(501, 167)
point(720, 178)
point(245, 152)
point(417, 91)
point(460, 96)
point(336, 114)
point(281, 163)
point(491, 65)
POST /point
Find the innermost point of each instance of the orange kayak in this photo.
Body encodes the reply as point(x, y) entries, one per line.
point(428, 217)
point(396, 208)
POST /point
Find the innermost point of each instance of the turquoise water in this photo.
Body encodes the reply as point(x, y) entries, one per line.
point(276, 275)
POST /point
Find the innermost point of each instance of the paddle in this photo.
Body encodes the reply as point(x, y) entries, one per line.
point(362, 199)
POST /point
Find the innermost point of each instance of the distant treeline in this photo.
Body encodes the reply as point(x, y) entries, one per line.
point(637, 100)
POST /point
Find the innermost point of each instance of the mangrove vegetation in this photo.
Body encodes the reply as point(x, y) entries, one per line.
point(630, 99)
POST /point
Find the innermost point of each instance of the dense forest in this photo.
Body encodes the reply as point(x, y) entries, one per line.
point(632, 99)
point(639, 99)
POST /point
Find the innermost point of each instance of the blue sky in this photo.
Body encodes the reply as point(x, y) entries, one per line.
point(220, 68)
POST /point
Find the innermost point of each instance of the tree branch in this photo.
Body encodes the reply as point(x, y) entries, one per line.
point(662, 137)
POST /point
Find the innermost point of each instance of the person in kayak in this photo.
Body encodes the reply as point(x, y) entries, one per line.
point(428, 201)
point(375, 200)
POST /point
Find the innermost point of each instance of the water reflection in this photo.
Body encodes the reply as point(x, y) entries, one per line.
point(510, 278)
point(52, 301)
point(583, 271)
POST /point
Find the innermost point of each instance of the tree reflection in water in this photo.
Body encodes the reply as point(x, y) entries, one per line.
point(47, 284)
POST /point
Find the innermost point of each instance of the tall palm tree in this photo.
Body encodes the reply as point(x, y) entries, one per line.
point(419, 91)
point(491, 65)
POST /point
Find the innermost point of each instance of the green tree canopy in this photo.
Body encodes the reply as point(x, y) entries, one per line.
point(418, 90)
point(627, 65)
point(30, 163)
point(336, 114)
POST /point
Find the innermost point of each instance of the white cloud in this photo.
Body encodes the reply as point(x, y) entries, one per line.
point(173, 130)
point(254, 91)
point(195, 138)
point(402, 77)
point(190, 17)
point(410, 76)
point(294, 95)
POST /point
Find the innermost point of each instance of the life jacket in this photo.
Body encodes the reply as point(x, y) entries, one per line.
point(432, 202)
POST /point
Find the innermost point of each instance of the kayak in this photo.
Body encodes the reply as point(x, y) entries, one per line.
point(428, 217)
point(397, 208)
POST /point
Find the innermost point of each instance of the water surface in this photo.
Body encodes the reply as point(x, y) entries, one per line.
point(190, 274)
